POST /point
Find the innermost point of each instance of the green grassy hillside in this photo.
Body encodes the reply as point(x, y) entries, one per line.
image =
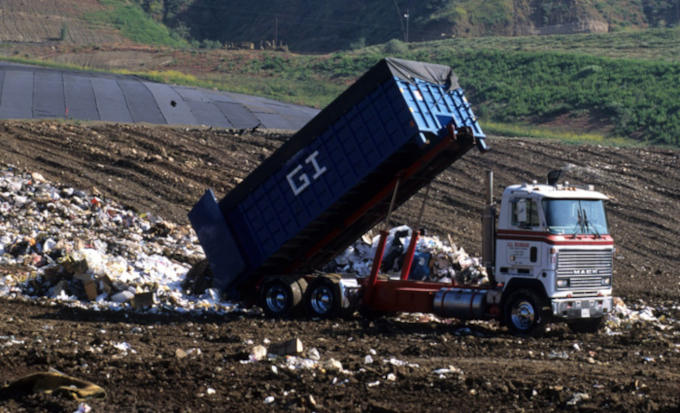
point(531, 81)
point(335, 25)
point(612, 85)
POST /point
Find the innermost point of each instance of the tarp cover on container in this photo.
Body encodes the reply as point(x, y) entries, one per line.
point(409, 70)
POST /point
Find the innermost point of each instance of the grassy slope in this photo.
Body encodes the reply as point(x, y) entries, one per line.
point(135, 24)
point(512, 80)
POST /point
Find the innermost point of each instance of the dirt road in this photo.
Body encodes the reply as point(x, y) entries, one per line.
point(416, 363)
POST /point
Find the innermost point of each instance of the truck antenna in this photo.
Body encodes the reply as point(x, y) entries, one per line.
point(554, 176)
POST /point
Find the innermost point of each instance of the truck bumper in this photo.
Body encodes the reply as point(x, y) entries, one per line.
point(582, 307)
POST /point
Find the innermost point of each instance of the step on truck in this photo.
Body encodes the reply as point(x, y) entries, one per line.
point(382, 140)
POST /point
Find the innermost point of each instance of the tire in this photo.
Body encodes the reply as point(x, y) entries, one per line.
point(279, 297)
point(586, 325)
point(322, 298)
point(523, 313)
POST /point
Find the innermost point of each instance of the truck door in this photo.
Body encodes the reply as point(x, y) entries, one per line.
point(520, 253)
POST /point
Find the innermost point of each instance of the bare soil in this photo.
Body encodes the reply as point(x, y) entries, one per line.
point(30, 22)
point(165, 170)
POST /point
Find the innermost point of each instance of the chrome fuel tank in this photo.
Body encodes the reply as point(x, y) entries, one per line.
point(460, 303)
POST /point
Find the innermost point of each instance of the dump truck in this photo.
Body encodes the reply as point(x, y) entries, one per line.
point(370, 150)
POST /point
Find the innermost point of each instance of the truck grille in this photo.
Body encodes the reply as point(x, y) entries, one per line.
point(584, 269)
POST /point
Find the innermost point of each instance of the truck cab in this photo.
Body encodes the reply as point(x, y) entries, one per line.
point(553, 248)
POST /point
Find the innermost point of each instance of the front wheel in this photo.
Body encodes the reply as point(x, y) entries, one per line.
point(523, 313)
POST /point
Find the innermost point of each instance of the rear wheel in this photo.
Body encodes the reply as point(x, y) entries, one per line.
point(323, 298)
point(523, 313)
point(280, 296)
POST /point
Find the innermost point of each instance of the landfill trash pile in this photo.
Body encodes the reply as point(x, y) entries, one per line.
point(433, 260)
point(664, 319)
point(74, 246)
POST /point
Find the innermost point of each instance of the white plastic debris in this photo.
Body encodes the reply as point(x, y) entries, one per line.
point(578, 398)
point(124, 347)
point(313, 354)
point(122, 297)
point(333, 365)
point(83, 408)
point(400, 363)
point(258, 353)
point(448, 370)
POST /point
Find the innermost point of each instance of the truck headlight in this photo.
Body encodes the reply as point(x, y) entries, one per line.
point(562, 283)
point(606, 281)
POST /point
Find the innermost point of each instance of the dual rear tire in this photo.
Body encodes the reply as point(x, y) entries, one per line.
point(281, 297)
point(287, 296)
point(322, 298)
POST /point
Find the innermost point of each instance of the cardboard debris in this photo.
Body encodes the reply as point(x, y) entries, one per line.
point(53, 382)
point(142, 300)
point(287, 348)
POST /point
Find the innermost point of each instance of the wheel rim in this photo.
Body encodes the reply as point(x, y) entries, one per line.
point(523, 315)
point(322, 300)
point(277, 298)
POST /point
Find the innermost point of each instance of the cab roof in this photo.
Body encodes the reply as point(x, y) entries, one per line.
point(554, 191)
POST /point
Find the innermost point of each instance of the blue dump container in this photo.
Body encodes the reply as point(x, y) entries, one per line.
point(330, 182)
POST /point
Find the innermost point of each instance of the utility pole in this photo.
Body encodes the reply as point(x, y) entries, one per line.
point(406, 16)
point(276, 31)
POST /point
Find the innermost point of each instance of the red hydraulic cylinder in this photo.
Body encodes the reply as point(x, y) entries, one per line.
point(408, 259)
point(377, 262)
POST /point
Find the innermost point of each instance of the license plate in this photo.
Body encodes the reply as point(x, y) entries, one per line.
point(585, 313)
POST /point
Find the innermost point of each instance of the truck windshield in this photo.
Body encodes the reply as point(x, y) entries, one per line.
point(575, 216)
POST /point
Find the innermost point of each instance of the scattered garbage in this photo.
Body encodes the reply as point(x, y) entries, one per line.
point(313, 354)
point(258, 353)
point(623, 317)
point(450, 370)
point(65, 244)
point(69, 245)
point(290, 347)
point(577, 398)
point(83, 408)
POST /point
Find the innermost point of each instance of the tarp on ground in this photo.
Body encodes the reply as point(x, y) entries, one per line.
point(31, 92)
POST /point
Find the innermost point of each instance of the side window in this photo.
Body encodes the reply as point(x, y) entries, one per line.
point(524, 213)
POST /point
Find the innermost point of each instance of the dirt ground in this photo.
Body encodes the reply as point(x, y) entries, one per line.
point(165, 170)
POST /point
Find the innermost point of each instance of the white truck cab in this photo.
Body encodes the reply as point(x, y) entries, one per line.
point(553, 241)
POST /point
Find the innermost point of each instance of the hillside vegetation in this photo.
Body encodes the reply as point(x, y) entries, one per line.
point(331, 25)
point(512, 82)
